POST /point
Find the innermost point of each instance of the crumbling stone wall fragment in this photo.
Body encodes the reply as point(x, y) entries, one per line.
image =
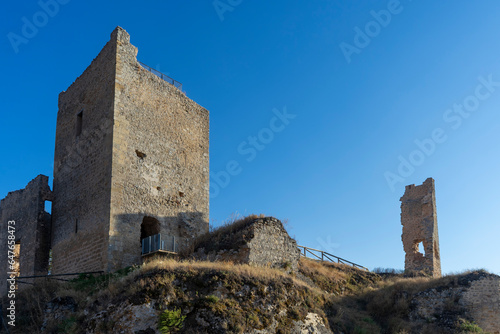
point(31, 231)
point(419, 220)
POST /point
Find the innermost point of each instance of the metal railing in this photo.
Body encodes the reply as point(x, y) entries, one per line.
point(157, 243)
point(162, 76)
point(54, 276)
point(317, 254)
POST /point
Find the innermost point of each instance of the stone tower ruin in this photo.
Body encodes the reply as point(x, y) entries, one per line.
point(419, 220)
point(131, 161)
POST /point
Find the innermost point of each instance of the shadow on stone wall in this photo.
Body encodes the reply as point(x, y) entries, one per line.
point(128, 230)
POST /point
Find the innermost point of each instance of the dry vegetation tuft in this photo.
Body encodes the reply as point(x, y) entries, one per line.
point(226, 236)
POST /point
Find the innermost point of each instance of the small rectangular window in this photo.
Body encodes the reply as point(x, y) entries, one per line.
point(79, 123)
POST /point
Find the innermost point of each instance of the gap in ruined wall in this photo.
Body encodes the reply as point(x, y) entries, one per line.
point(47, 207)
point(421, 248)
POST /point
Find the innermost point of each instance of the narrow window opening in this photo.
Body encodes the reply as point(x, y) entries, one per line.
point(76, 226)
point(79, 123)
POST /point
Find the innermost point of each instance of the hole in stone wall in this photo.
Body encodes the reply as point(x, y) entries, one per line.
point(150, 226)
point(420, 248)
point(140, 154)
point(76, 226)
point(47, 207)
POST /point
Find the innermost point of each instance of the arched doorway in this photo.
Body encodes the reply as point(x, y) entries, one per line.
point(150, 238)
point(150, 226)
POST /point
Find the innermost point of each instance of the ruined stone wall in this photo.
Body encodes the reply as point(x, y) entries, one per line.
point(160, 159)
point(32, 229)
point(482, 300)
point(82, 167)
point(272, 246)
point(419, 220)
point(474, 296)
point(262, 242)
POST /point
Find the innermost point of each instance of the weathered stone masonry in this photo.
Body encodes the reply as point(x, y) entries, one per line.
point(262, 241)
point(419, 220)
point(32, 228)
point(483, 301)
point(477, 292)
point(144, 162)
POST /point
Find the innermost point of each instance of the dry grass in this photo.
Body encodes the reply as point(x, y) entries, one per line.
point(339, 279)
point(243, 270)
point(226, 236)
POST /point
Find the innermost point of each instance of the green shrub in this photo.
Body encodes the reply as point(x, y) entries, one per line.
point(469, 327)
point(211, 299)
point(171, 321)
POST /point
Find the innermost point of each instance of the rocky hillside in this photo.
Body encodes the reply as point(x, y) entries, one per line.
point(169, 296)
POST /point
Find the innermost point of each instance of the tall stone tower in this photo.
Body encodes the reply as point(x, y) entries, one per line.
point(419, 220)
point(131, 160)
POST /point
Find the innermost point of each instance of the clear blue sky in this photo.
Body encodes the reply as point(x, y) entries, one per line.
point(363, 87)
